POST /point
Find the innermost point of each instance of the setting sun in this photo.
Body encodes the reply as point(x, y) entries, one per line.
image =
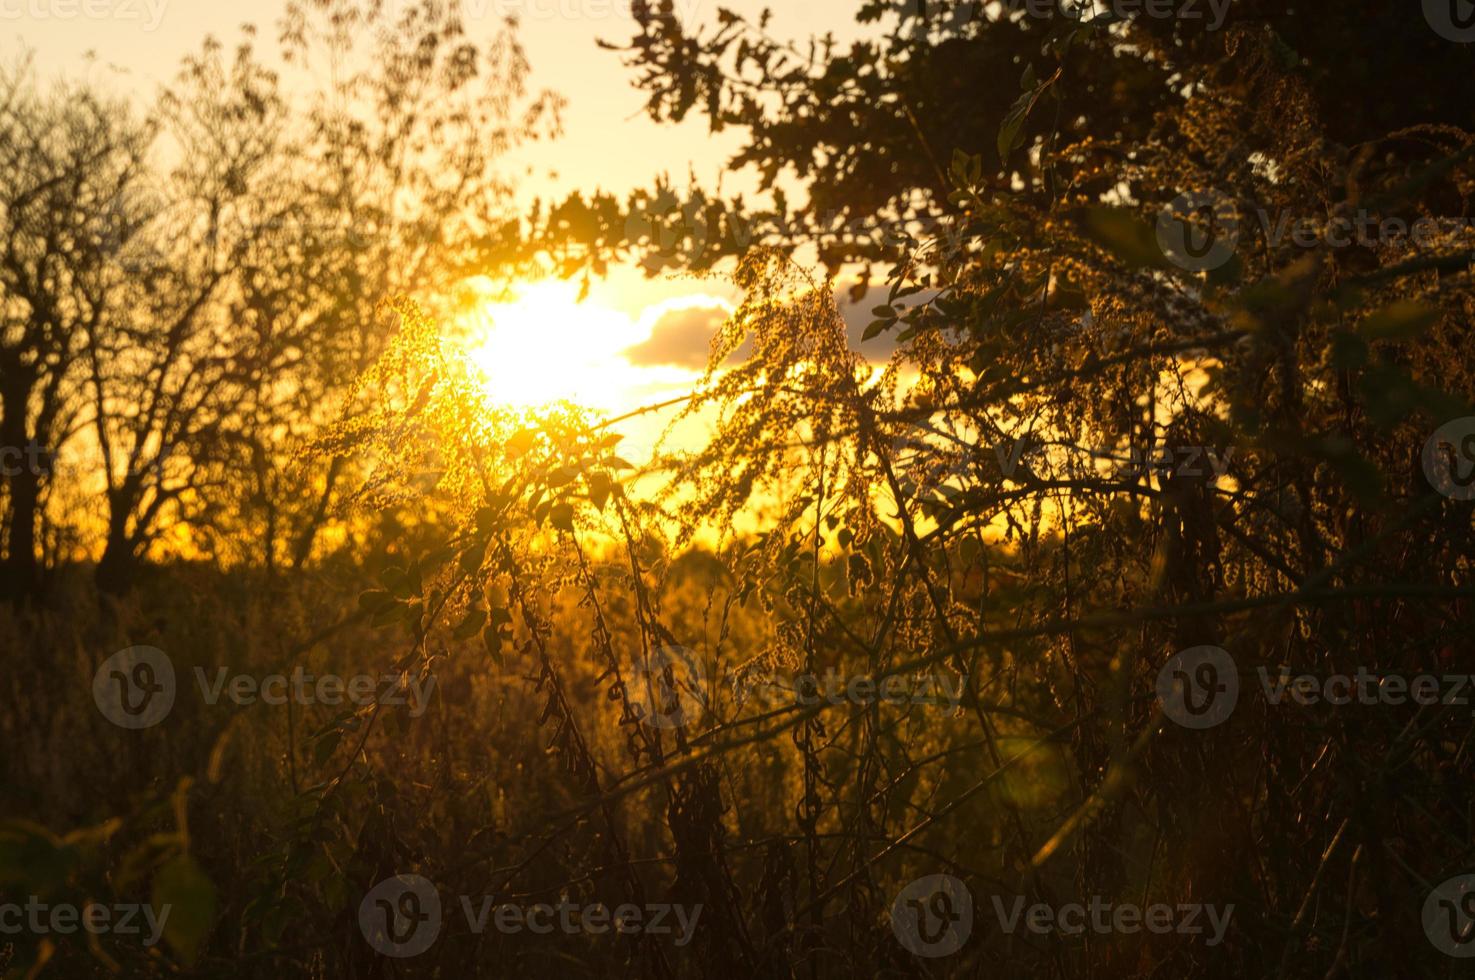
point(690, 490)
point(544, 346)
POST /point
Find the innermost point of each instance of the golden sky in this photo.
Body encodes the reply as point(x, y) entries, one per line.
point(608, 142)
point(635, 340)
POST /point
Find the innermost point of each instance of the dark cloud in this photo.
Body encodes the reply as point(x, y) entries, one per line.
point(681, 338)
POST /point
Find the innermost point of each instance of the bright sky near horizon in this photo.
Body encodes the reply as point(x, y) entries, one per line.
point(608, 141)
point(636, 340)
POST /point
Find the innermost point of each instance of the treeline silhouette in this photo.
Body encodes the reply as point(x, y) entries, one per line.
point(1140, 445)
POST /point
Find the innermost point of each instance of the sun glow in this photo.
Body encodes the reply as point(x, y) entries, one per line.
point(544, 346)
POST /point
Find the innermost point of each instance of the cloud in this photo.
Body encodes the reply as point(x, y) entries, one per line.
point(858, 316)
point(680, 336)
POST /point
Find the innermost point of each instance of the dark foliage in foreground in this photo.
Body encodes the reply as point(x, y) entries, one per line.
point(969, 514)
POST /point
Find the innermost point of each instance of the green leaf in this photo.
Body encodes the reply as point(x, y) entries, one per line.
point(960, 163)
point(1389, 393)
point(1403, 320)
point(562, 516)
point(520, 442)
point(31, 858)
point(599, 489)
point(563, 476)
point(473, 556)
point(1348, 350)
point(491, 639)
point(486, 519)
point(476, 617)
point(375, 600)
point(387, 614)
point(326, 746)
point(401, 583)
point(1125, 235)
point(1013, 123)
point(1361, 476)
point(438, 557)
point(182, 888)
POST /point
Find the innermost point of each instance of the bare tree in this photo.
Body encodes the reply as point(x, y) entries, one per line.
point(222, 266)
point(68, 160)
